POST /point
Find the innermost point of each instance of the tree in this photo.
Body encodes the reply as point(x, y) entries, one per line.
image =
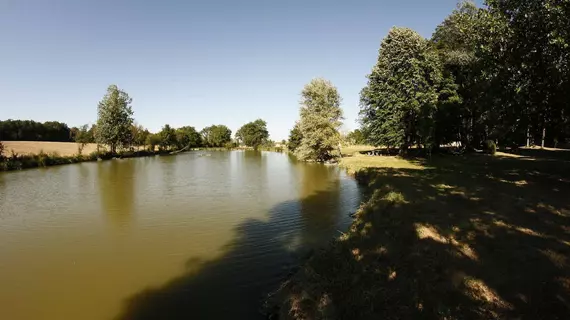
point(399, 102)
point(188, 137)
point(152, 140)
point(115, 119)
point(295, 137)
point(216, 135)
point(356, 137)
point(167, 137)
point(535, 54)
point(253, 134)
point(82, 137)
point(320, 121)
point(139, 135)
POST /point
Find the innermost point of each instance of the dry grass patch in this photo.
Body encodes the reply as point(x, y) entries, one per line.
point(36, 147)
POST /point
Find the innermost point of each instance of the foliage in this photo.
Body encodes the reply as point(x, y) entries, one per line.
point(167, 138)
point(28, 130)
point(398, 104)
point(1, 149)
point(216, 135)
point(115, 119)
point(295, 137)
point(320, 121)
point(355, 137)
point(188, 137)
point(490, 147)
point(139, 135)
point(152, 140)
point(253, 134)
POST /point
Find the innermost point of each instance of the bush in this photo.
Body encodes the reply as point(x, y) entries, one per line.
point(490, 147)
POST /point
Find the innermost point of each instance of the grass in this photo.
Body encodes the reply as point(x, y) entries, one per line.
point(455, 237)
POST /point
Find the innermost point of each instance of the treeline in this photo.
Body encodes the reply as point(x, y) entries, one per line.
point(498, 74)
point(28, 130)
point(116, 130)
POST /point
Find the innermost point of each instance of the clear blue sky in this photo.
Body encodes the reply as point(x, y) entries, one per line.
point(193, 62)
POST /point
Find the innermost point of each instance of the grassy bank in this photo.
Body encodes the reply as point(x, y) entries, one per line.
point(465, 237)
point(16, 161)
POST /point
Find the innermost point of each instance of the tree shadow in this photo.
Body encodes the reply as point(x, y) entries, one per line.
point(475, 237)
point(260, 256)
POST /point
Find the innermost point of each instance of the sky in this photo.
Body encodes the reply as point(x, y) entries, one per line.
point(194, 63)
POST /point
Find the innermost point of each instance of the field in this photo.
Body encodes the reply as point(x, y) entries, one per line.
point(452, 237)
point(35, 147)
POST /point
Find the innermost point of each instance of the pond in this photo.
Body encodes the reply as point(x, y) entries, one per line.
point(199, 235)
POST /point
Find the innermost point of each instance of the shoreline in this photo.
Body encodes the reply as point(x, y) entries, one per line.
point(17, 162)
point(42, 160)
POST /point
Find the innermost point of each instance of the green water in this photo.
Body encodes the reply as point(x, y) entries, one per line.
point(193, 236)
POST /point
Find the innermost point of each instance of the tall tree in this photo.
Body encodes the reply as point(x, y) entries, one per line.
point(295, 137)
point(188, 137)
point(115, 118)
point(399, 102)
point(167, 137)
point(536, 54)
point(216, 135)
point(321, 118)
point(253, 134)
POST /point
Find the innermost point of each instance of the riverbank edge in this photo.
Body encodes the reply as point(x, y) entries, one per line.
point(297, 297)
point(17, 162)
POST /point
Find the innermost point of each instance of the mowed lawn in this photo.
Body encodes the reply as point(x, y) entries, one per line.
point(35, 147)
point(453, 237)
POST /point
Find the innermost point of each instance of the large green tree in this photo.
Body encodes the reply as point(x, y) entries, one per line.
point(188, 137)
point(216, 135)
point(115, 118)
point(253, 134)
point(320, 120)
point(399, 102)
point(536, 56)
point(167, 137)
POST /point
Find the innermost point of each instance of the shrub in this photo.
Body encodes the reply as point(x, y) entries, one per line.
point(490, 147)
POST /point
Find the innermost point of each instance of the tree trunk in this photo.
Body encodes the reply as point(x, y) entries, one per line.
point(527, 137)
point(543, 136)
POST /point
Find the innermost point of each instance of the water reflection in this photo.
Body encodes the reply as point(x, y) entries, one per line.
point(259, 257)
point(116, 181)
point(320, 203)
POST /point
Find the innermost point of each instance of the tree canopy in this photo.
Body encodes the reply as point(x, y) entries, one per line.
point(399, 102)
point(295, 137)
point(320, 120)
point(167, 137)
point(253, 134)
point(188, 137)
point(216, 135)
point(115, 118)
point(28, 130)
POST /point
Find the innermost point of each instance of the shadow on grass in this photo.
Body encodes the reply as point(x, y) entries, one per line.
point(475, 237)
point(553, 154)
point(261, 256)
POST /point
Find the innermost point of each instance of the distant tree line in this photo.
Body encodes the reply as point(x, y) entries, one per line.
point(116, 129)
point(495, 74)
point(28, 130)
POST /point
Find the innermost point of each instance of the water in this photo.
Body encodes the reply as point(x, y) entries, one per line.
point(182, 237)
